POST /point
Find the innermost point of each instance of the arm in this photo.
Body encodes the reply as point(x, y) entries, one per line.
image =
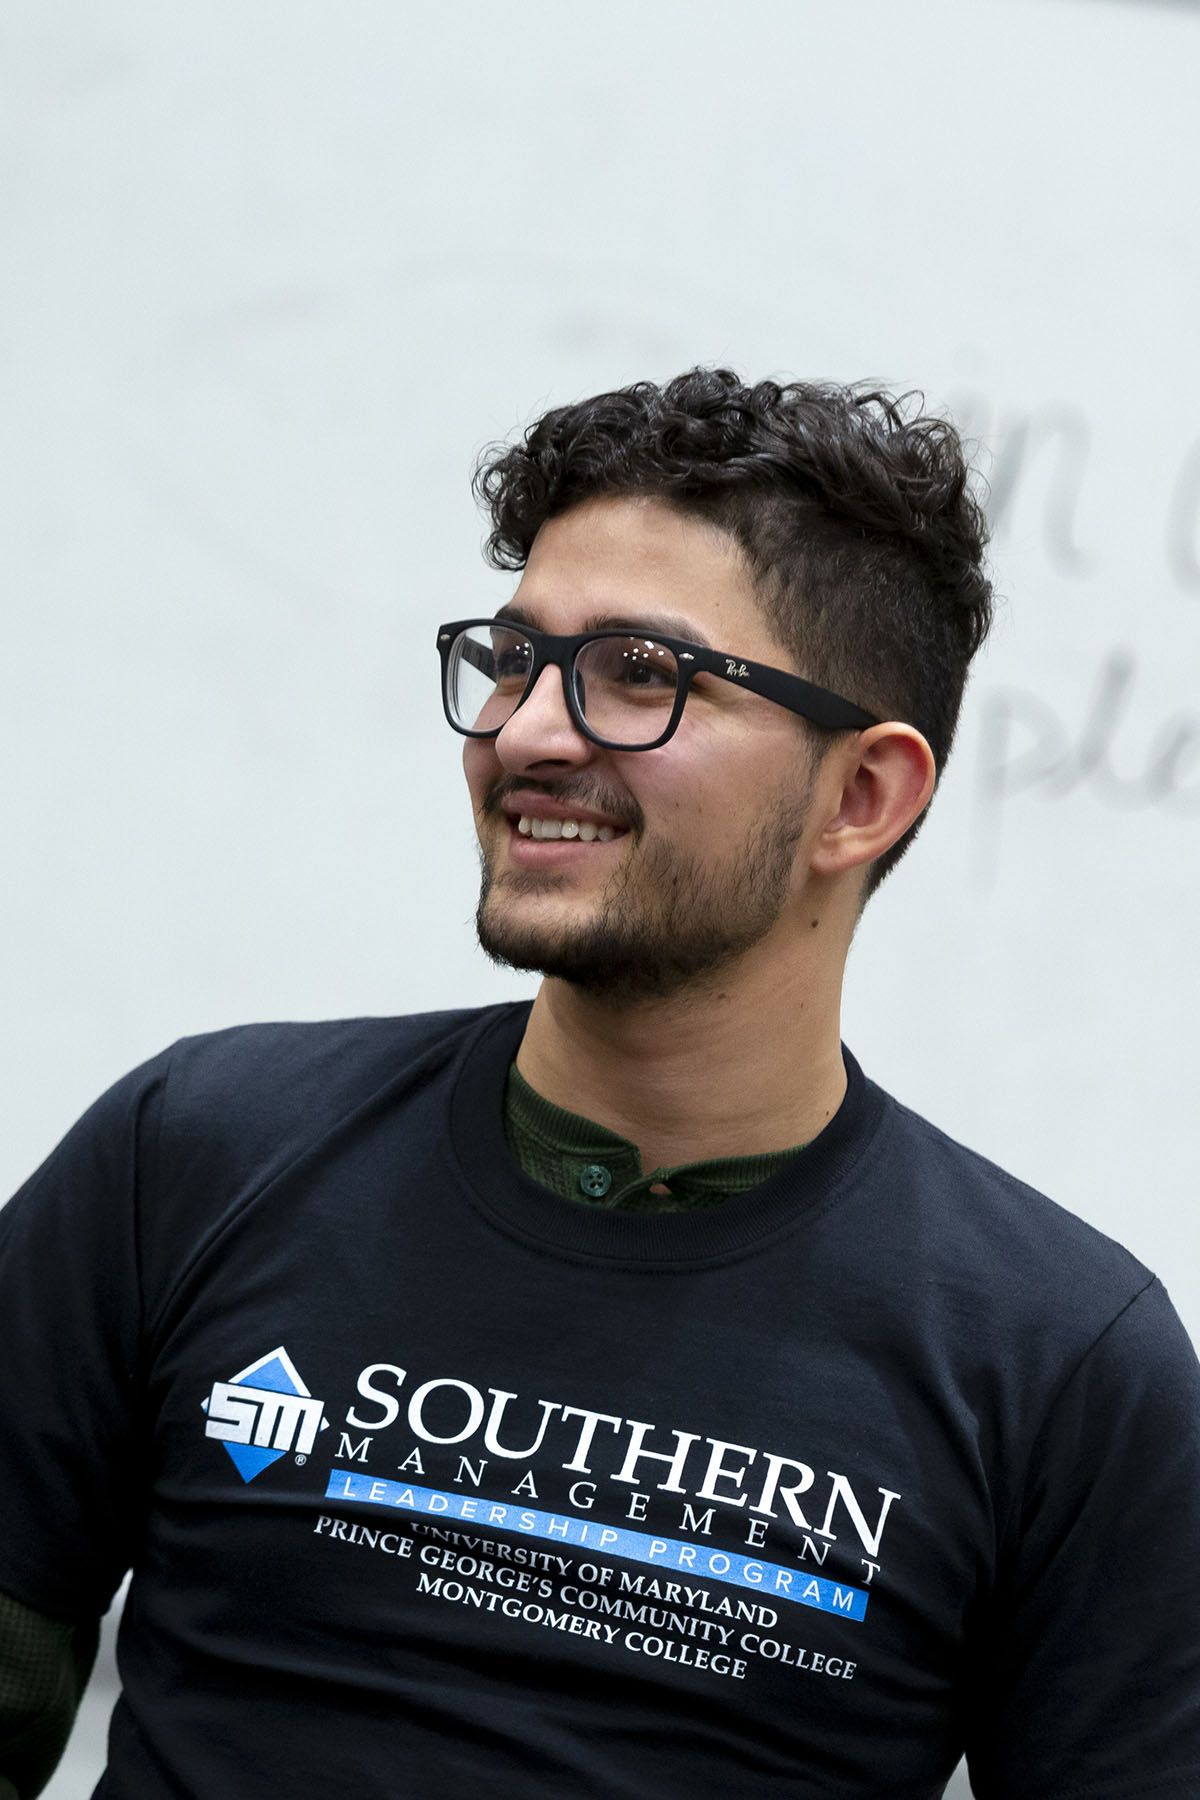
point(69, 1464)
point(1088, 1685)
point(44, 1668)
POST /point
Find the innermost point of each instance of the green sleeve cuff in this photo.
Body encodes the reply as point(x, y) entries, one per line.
point(44, 1668)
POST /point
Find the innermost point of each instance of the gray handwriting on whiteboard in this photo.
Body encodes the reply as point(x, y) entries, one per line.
point(1057, 440)
point(1183, 523)
point(1027, 746)
point(1047, 452)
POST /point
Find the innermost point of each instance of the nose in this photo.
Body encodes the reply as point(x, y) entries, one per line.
point(542, 730)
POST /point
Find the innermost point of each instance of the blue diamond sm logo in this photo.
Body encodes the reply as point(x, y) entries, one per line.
point(262, 1413)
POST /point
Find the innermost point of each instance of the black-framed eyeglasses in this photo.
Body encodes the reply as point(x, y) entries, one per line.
point(623, 690)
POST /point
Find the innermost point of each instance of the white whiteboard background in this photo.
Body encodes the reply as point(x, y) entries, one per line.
point(274, 272)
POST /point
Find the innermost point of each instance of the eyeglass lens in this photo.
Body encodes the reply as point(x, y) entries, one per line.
point(624, 686)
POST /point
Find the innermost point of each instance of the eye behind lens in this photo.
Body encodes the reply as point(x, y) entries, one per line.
point(626, 688)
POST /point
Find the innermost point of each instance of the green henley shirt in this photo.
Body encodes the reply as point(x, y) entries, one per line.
point(585, 1162)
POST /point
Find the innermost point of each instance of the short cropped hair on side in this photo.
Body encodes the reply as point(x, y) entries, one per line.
point(855, 512)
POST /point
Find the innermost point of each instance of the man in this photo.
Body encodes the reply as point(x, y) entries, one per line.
point(621, 1396)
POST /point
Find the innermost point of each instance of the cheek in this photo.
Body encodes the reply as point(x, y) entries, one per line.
point(479, 766)
point(482, 770)
point(671, 783)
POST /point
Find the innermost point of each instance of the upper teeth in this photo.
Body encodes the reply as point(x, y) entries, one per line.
point(565, 828)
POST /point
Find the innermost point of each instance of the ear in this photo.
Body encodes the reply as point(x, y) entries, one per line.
point(886, 776)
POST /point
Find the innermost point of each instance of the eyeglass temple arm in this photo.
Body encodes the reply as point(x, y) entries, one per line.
point(817, 704)
point(480, 656)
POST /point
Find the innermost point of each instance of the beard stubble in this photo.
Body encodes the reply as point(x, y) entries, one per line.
point(667, 918)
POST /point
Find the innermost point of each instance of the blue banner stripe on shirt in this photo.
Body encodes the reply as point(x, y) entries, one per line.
point(670, 1554)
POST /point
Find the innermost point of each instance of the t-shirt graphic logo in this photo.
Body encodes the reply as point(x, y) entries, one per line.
point(264, 1412)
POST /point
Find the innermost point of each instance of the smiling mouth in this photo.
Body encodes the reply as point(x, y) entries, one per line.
point(583, 829)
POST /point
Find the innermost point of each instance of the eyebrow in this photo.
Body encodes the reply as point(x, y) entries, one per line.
point(643, 625)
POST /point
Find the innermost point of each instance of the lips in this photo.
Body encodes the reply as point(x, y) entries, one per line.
point(570, 814)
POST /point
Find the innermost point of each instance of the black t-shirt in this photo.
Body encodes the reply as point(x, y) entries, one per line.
point(433, 1485)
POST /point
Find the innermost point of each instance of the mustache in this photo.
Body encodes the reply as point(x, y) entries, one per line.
point(584, 791)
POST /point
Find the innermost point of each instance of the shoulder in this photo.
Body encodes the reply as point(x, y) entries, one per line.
point(997, 1245)
point(295, 1063)
point(1060, 1346)
point(182, 1145)
point(267, 1088)
point(231, 1105)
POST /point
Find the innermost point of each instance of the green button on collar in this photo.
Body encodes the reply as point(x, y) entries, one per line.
point(595, 1180)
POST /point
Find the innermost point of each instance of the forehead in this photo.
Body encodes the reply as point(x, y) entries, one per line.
point(639, 561)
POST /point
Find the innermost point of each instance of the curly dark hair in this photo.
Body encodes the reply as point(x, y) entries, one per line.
point(854, 509)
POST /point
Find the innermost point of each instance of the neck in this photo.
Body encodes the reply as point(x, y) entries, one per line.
point(734, 1067)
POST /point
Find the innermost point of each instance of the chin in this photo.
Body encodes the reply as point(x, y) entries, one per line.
point(606, 958)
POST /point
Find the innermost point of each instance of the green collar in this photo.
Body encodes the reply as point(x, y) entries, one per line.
point(586, 1162)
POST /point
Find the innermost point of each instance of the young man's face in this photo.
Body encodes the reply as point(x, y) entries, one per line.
point(699, 853)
